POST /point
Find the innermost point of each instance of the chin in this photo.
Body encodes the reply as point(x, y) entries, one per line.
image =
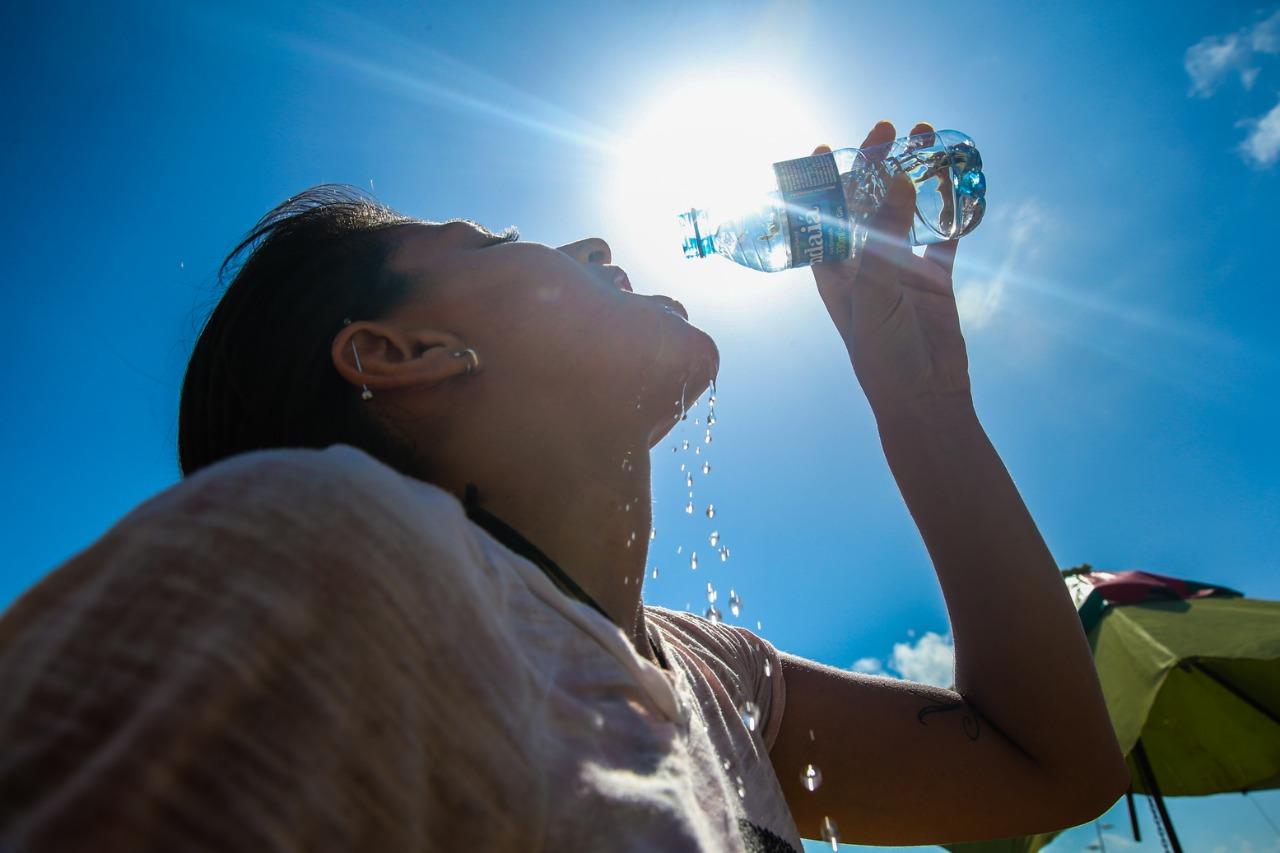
point(688, 369)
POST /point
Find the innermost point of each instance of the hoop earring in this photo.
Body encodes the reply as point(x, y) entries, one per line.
point(365, 394)
point(473, 360)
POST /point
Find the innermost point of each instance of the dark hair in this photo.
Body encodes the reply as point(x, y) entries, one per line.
point(261, 374)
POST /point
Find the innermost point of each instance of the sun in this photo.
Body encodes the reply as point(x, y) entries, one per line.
point(707, 141)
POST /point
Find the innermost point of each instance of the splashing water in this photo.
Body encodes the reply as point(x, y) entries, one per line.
point(735, 602)
point(693, 560)
point(714, 538)
point(688, 508)
point(811, 778)
point(830, 833)
point(712, 613)
point(706, 467)
point(688, 479)
point(655, 573)
point(750, 713)
point(684, 445)
point(711, 511)
point(724, 553)
point(711, 593)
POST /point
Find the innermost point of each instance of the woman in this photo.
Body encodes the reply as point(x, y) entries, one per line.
point(430, 636)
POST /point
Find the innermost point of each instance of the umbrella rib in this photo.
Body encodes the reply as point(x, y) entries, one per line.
point(1236, 692)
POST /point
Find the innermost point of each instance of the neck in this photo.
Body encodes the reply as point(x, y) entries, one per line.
point(585, 509)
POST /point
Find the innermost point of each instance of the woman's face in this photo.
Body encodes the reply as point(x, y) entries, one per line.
point(559, 326)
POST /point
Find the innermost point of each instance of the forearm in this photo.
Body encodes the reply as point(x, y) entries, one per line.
point(1021, 657)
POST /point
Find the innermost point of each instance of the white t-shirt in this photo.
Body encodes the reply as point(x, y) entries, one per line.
point(306, 650)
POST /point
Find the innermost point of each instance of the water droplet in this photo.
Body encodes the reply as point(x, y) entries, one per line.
point(811, 778)
point(697, 451)
point(707, 439)
point(714, 538)
point(724, 553)
point(726, 764)
point(655, 572)
point(684, 445)
point(759, 625)
point(830, 834)
point(750, 713)
point(688, 508)
point(742, 789)
point(653, 531)
point(711, 593)
point(706, 467)
point(679, 549)
point(735, 602)
point(681, 466)
point(711, 419)
point(811, 734)
point(693, 560)
point(768, 667)
point(688, 480)
point(711, 511)
point(674, 448)
point(711, 613)
point(697, 422)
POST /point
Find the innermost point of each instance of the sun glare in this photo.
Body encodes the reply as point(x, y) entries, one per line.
point(709, 142)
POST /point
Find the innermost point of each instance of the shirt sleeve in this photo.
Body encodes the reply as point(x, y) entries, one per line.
point(288, 651)
point(745, 663)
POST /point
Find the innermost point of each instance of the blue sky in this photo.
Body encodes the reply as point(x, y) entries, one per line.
point(1118, 302)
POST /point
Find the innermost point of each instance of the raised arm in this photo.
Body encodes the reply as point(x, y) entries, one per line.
point(1023, 743)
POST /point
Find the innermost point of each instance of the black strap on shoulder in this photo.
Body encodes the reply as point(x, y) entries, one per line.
point(515, 540)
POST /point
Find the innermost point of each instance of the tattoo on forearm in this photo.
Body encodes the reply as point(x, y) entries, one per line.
point(969, 718)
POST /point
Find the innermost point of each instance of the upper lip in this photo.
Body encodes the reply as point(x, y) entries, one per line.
point(619, 278)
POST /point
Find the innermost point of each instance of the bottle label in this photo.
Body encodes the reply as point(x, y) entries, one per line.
point(819, 222)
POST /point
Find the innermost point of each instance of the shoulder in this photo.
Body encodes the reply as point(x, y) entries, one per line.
point(337, 506)
point(301, 485)
point(702, 634)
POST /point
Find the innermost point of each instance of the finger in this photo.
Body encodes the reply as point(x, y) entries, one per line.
point(943, 255)
point(924, 130)
point(889, 226)
point(881, 134)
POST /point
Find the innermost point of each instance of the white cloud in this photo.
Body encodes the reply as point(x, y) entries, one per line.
point(1262, 146)
point(1213, 58)
point(931, 660)
point(978, 299)
point(872, 666)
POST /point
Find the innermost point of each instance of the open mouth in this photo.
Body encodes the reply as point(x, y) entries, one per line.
point(671, 305)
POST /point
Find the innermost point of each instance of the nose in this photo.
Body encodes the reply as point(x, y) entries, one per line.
point(592, 250)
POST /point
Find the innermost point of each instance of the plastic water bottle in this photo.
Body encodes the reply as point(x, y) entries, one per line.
point(820, 207)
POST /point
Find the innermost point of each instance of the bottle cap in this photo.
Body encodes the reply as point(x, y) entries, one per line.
point(693, 227)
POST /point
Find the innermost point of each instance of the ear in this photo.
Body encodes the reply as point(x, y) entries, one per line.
point(386, 357)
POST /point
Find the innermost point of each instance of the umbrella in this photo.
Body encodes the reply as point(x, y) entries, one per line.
point(1191, 676)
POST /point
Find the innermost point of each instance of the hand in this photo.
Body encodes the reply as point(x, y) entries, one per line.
point(895, 311)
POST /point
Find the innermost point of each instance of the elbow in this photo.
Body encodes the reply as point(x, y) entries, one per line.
point(1092, 789)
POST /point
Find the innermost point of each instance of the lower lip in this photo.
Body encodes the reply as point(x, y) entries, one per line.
point(675, 308)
